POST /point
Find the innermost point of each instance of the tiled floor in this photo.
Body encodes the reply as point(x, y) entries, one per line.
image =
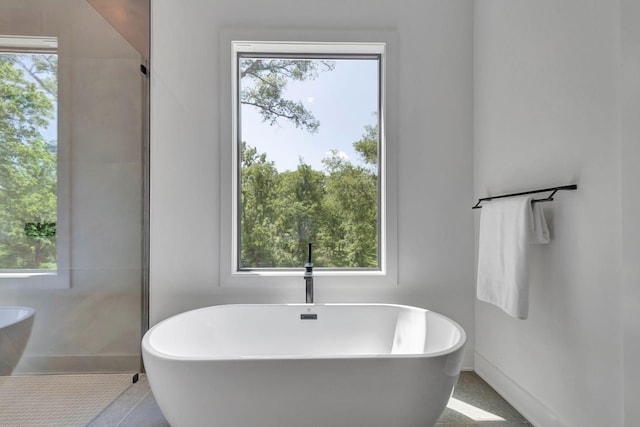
point(57, 400)
point(474, 403)
point(136, 407)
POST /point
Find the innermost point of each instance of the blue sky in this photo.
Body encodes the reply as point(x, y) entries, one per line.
point(344, 100)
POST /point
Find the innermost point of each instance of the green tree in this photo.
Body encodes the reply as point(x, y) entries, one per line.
point(299, 214)
point(367, 146)
point(336, 208)
point(259, 185)
point(271, 233)
point(263, 82)
point(27, 161)
point(351, 212)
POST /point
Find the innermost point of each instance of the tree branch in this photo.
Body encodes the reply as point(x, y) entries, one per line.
point(37, 78)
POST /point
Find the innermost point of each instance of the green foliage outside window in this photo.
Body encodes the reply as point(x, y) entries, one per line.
point(28, 163)
point(336, 208)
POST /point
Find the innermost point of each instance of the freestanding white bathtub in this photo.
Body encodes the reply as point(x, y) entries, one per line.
point(15, 328)
point(304, 365)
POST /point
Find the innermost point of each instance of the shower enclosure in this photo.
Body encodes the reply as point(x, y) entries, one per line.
point(73, 180)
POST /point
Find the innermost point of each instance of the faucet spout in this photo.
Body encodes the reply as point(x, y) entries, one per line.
point(308, 279)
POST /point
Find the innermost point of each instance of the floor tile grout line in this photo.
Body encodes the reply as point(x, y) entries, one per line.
point(108, 407)
point(123, 419)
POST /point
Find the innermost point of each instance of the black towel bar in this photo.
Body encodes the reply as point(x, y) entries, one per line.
point(553, 191)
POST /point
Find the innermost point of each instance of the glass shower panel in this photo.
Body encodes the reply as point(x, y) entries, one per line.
point(89, 306)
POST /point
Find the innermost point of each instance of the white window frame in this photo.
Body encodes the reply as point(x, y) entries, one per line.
point(307, 42)
point(59, 278)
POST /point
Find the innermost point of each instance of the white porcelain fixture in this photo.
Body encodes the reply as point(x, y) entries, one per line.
point(304, 365)
point(15, 328)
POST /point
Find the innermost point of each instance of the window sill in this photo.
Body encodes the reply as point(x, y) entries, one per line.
point(294, 277)
point(34, 279)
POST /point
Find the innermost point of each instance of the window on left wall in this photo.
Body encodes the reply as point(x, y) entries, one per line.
point(29, 181)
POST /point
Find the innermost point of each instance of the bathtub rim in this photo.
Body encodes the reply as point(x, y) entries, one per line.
point(13, 321)
point(462, 339)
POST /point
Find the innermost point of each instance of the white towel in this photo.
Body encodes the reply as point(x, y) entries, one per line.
point(507, 227)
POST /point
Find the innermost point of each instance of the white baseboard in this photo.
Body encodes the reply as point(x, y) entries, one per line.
point(468, 361)
point(524, 402)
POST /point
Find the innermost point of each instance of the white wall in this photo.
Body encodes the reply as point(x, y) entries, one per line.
point(434, 149)
point(547, 112)
point(630, 132)
point(94, 325)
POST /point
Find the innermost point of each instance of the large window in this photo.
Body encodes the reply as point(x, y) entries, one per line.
point(28, 156)
point(308, 145)
point(308, 155)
